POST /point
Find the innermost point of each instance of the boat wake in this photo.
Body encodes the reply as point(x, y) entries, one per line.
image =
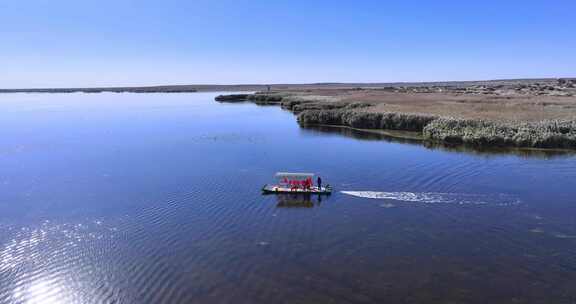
point(441, 198)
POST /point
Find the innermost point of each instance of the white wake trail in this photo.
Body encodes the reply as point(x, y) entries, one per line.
point(440, 198)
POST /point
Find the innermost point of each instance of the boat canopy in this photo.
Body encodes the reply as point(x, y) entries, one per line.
point(294, 175)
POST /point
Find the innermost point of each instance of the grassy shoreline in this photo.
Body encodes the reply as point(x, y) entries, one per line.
point(411, 137)
point(335, 110)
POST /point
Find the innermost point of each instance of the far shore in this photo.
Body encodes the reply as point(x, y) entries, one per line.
point(192, 88)
point(148, 89)
point(535, 114)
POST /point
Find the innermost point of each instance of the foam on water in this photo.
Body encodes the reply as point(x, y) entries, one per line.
point(440, 198)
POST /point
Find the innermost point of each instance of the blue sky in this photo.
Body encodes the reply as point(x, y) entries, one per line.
point(63, 43)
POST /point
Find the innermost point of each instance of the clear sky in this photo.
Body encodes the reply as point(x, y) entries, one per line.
point(71, 43)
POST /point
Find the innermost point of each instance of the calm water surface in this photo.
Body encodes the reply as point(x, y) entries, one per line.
point(155, 198)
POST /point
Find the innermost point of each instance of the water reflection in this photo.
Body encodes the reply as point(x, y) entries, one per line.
point(299, 200)
point(41, 291)
point(414, 138)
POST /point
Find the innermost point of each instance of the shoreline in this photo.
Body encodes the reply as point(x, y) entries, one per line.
point(387, 115)
point(417, 138)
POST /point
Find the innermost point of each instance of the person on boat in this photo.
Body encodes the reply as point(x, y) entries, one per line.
point(319, 182)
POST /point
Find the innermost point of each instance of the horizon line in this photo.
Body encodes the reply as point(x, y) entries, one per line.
point(327, 83)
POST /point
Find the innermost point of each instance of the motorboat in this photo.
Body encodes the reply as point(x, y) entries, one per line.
point(288, 182)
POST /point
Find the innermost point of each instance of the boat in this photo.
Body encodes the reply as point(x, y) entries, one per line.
point(296, 183)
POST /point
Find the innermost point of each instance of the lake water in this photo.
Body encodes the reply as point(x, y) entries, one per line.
point(155, 198)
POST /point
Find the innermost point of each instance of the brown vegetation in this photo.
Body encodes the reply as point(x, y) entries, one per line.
point(520, 115)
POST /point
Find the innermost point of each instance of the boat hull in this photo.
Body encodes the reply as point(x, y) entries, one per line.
point(274, 189)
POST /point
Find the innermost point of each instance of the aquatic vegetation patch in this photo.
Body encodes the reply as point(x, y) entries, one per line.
point(543, 134)
point(332, 110)
point(368, 120)
point(559, 134)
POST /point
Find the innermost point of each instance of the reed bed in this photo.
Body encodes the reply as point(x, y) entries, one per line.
point(367, 120)
point(543, 134)
point(330, 110)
